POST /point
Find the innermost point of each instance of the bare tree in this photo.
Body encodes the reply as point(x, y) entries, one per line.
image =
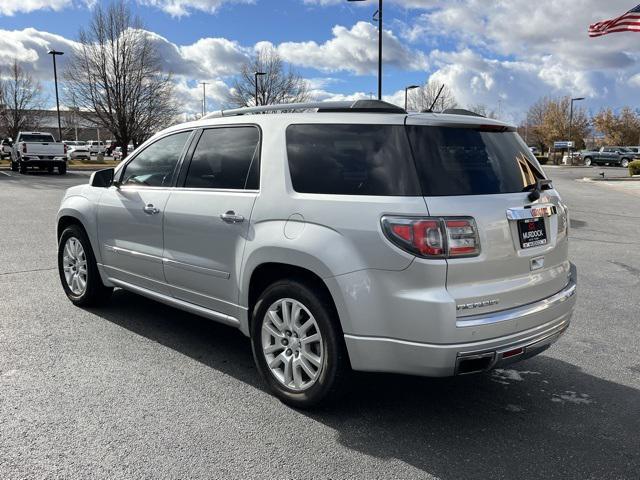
point(21, 101)
point(422, 98)
point(482, 109)
point(115, 76)
point(276, 86)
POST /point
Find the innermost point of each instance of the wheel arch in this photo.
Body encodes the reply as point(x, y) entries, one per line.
point(77, 211)
point(266, 273)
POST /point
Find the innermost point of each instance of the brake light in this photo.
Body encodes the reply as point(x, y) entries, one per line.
point(65, 147)
point(24, 148)
point(434, 237)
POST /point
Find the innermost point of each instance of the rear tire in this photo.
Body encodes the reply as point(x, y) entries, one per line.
point(80, 262)
point(316, 356)
point(14, 166)
point(624, 163)
point(62, 169)
point(23, 168)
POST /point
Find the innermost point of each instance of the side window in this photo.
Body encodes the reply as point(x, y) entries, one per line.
point(155, 165)
point(351, 160)
point(226, 158)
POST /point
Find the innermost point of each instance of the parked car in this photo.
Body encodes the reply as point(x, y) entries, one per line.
point(635, 150)
point(78, 152)
point(38, 150)
point(96, 148)
point(620, 156)
point(5, 148)
point(358, 237)
point(117, 152)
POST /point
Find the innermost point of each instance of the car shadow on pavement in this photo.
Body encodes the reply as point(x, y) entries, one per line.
point(544, 418)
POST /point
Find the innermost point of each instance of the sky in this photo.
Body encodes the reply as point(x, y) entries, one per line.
point(501, 54)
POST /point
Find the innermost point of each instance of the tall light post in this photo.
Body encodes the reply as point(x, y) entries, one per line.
point(55, 53)
point(577, 99)
point(258, 74)
point(380, 33)
point(406, 95)
point(204, 98)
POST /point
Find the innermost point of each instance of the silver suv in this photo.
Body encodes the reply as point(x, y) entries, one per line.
point(336, 236)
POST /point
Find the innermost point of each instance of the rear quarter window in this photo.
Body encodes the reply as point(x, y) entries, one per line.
point(454, 161)
point(351, 160)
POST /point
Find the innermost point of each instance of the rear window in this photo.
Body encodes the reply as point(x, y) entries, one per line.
point(36, 138)
point(351, 160)
point(471, 161)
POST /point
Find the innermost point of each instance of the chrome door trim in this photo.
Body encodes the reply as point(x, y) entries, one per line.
point(513, 313)
point(533, 211)
point(180, 304)
point(193, 268)
point(133, 253)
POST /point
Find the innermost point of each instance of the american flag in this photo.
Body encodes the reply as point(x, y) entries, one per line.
point(629, 22)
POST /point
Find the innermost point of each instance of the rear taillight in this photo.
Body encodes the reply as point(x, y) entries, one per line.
point(449, 237)
point(65, 148)
point(24, 148)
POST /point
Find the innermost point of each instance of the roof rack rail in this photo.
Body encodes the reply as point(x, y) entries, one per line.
point(359, 106)
point(462, 111)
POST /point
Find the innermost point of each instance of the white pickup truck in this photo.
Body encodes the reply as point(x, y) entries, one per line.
point(38, 150)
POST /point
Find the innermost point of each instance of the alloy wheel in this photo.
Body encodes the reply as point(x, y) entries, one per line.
point(292, 344)
point(74, 264)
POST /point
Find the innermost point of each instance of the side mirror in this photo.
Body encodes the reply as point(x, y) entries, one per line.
point(102, 178)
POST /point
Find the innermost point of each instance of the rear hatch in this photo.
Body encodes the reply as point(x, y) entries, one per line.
point(42, 145)
point(487, 172)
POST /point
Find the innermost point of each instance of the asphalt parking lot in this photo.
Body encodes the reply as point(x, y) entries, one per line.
point(140, 390)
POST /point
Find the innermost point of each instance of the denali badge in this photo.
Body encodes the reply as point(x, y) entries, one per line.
point(471, 306)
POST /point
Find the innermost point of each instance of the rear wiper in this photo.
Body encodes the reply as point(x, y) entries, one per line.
point(536, 189)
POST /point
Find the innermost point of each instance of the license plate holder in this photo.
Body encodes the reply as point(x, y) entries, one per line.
point(532, 232)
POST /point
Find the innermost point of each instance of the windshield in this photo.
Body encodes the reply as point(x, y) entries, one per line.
point(36, 138)
point(472, 161)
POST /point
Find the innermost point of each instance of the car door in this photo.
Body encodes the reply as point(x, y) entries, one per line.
point(207, 218)
point(130, 214)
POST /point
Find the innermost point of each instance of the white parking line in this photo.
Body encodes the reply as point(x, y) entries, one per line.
point(5, 173)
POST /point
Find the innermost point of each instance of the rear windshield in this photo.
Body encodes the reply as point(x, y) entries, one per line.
point(36, 138)
point(471, 161)
point(351, 160)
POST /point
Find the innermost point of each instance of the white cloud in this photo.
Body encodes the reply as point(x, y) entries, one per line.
point(179, 8)
point(11, 7)
point(421, 4)
point(30, 47)
point(352, 50)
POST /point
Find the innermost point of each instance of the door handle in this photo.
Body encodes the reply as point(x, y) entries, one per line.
point(231, 217)
point(151, 210)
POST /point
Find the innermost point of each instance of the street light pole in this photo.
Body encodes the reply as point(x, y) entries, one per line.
point(204, 98)
point(571, 116)
point(406, 95)
point(380, 38)
point(258, 74)
point(54, 53)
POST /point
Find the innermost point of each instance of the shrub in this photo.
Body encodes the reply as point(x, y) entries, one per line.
point(634, 168)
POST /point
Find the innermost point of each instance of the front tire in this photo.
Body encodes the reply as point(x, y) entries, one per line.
point(78, 269)
point(624, 163)
point(22, 168)
point(587, 162)
point(297, 344)
point(14, 166)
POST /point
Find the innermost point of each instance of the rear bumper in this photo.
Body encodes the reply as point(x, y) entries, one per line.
point(42, 162)
point(442, 360)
